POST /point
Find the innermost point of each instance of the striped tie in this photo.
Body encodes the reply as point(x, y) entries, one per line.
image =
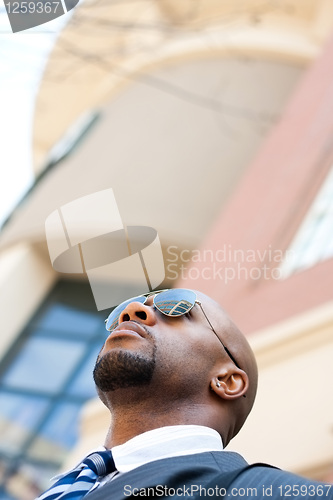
point(78, 482)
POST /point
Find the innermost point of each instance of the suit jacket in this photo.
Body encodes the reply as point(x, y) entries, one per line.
point(211, 475)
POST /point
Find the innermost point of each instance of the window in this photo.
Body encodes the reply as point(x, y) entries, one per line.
point(44, 381)
point(314, 240)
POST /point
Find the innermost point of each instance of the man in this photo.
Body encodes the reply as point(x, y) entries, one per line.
point(179, 380)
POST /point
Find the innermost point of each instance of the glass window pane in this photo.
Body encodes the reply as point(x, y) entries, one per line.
point(44, 364)
point(4, 495)
point(328, 245)
point(18, 417)
point(83, 384)
point(61, 318)
point(314, 240)
point(38, 420)
point(25, 481)
point(59, 433)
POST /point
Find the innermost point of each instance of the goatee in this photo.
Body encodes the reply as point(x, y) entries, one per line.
point(121, 369)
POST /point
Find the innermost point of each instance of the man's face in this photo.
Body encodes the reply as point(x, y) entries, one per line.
point(173, 355)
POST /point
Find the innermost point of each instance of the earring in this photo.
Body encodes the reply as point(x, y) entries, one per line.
point(218, 384)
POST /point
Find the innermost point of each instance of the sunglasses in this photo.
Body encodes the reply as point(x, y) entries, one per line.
point(172, 303)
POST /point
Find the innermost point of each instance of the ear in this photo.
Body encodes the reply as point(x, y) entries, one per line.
point(231, 383)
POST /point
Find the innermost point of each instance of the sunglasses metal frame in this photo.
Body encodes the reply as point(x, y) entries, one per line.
point(196, 301)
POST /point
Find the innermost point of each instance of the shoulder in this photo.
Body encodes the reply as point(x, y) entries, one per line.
point(226, 460)
point(263, 480)
point(172, 474)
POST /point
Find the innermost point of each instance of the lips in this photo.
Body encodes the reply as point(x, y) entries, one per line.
point(129, 328)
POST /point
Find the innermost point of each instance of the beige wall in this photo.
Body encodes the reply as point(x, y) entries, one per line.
point(25, 279)
point(295, 394)
point(94, 62)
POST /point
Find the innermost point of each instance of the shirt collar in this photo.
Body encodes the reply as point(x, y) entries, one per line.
point(165, 442)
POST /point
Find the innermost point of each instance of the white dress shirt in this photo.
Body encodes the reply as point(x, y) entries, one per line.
point(164, 442)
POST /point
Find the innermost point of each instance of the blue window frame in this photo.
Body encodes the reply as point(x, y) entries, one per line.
point(45, 378)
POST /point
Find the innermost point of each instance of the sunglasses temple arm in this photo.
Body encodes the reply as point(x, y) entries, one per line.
point(225, 348)
point(203, 312)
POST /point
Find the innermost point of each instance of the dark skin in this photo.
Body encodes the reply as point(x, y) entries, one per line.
point(193, 380)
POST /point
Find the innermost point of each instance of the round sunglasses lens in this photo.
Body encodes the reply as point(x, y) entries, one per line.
point(112, 321)
point(175, 302)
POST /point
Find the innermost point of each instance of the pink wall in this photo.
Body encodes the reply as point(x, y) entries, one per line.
point(267, 207)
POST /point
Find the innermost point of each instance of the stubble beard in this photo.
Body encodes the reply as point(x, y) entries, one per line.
point(119, 369)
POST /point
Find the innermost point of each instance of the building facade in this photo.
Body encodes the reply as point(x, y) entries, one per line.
point(212, 123)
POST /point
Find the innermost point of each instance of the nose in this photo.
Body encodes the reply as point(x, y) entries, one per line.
point(135, 311)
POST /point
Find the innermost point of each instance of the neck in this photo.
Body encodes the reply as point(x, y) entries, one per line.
point(134, 412)
point(129, 422)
